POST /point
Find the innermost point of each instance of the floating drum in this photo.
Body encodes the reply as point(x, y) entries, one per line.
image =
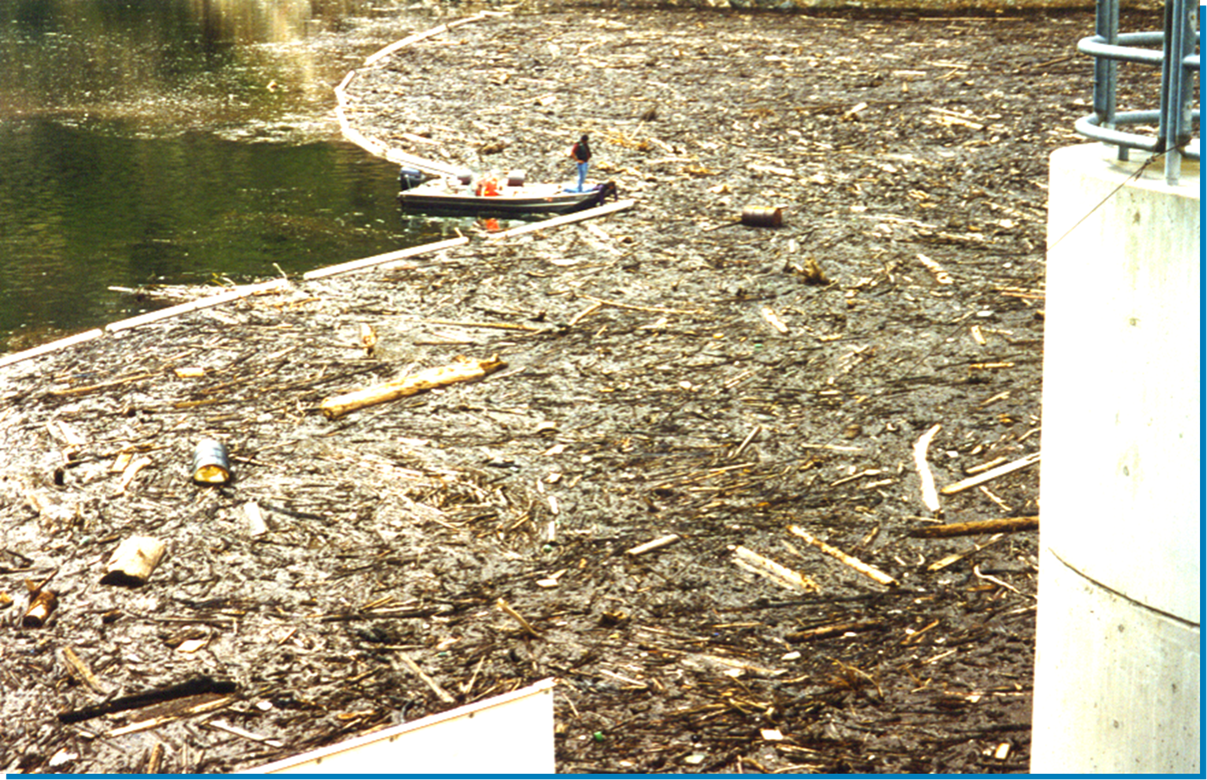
point(211, 464)
point(763, 216)
point(515, 178)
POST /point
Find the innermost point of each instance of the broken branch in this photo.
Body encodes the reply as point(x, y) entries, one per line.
point(856, 564)
point(929, 497)
point(1001, 525)
point(1008, 468)
point(778, 573)
point(463, 370)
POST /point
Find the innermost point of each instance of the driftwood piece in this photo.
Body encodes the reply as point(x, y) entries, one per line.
point(388, 257)
point(133, 561)
point(222, 725)
point(255, 519)
point(209, 705)
point(661, 541)
point(82, 671)
point(368, 339)
point(773, 319)
point(856, 564)
point(462, 370)
point(929, 497)
point(503, 605)
point(941, 276)
point(946, 561)
point(752, 562)
point(566, 219)
point(131, 471)
point(194, 687)
point(1012, 466)
point(999, 525)
point(234, 294)
point(834, 629)
point(41, 605)
point(155, 759)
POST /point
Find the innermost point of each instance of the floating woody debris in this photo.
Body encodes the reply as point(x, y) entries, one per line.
point(463, 369)
point(133, 561)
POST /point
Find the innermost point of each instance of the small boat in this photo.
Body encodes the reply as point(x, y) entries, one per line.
point(495, 197)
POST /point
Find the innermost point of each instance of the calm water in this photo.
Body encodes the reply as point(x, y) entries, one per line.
point(175, 142)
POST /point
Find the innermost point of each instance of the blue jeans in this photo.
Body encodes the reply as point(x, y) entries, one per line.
point(582, 175)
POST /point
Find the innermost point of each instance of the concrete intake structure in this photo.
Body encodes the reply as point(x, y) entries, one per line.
point(1118, 658)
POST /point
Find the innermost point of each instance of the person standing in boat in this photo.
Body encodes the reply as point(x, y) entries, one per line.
point(581, 154)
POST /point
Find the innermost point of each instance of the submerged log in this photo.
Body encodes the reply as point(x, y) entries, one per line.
point(463, 370)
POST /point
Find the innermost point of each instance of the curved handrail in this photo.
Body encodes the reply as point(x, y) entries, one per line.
point(1175, 51)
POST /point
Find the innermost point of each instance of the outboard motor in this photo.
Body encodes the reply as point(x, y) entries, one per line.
point(408, 178)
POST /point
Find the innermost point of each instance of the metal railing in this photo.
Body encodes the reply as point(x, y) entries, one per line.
point(1176, 51)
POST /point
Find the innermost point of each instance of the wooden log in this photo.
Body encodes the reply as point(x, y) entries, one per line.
point(388, 257)
point(834, 629)
point(368, 339)
point(999, 525)
point(503, 605)
point(54, 346)
point(82, 671)
point(276, 285)
point(197, 709)
point(43, 603)
point(1012, 466)
point(133, 561)
point(752, 562)
point(565, 219)
point(155, 759)
point(661, 541)
point(773, 319)
point(255, 519)
point(194, 687)
point(856, 564)
point(929, 497)
point(463, 370)
point(948, 560)
point(941, 276)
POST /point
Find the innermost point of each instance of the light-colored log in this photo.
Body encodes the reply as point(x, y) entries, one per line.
point(1002, 470)
point(566, 219)
point(754, 563)
point(463, 370)
point(850, 560)
point(1002, 525)
point(929, 497)
point(661, 541)
point(133, 561)
point(388, 257)
point(255, 519)
point(82, 671)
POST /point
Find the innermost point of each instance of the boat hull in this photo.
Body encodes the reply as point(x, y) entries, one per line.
point(522, 202)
